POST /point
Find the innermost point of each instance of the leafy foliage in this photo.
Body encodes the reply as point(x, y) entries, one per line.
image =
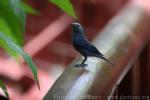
point(14, 19)
point(66, 6)
point(16, 48)
point(3, 87)
point(28, 9)
point(12, 26)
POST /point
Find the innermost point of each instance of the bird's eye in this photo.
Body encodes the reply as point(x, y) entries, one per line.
point(77, 25)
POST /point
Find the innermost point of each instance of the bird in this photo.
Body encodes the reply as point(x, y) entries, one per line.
point(83, 46)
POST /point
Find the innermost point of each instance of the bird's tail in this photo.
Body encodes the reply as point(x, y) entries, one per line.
point(107, 60)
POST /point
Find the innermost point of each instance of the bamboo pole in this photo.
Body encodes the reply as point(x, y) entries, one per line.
point(121, 41)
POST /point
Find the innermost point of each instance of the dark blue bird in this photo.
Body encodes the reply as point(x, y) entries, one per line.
point(82, 45)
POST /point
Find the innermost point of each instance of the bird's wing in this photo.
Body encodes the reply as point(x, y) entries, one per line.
point(91, 48)
point(84, 44)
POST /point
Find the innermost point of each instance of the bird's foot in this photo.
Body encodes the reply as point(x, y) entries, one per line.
point(81, 65)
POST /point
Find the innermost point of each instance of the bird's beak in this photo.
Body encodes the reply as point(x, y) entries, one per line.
point(72, 24)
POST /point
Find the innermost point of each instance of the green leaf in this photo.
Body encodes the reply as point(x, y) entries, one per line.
point(15, 7)
point(14, 17)
point(66, 6)
point(12, 25)
point(16, 48)
point(5, 29)
point(12, 22)
point(28, 9)
point(2, 85)
point(28, 61)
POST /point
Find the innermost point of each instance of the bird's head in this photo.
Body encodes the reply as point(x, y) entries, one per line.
point(77, 28)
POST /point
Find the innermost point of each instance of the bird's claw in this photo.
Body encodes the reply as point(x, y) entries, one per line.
point(84, 65)
point(81, 65)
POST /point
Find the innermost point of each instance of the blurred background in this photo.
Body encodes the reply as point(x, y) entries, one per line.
point(48, 42)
